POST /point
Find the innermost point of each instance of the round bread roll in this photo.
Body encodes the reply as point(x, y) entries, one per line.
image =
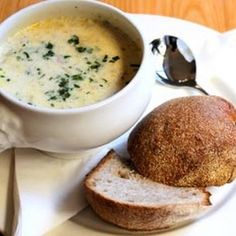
point(189, 141)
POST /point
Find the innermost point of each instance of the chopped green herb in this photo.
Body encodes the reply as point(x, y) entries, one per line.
point(105, 80)
point(39, 71)
point(64, 82)
point(88, 92)
point(52, 98)
point(49, 54)
point(67, 75)
point(74, 40)
point(29, 103)
point(67, 56)
point(89, 62)
point(64, 93)
point(91, 80)
point(52, 105)
point(8, 80)
point(84, 49)
point(23, 45)
point(96, 65)
point(77, 77)
point(49, 45)
point(105, 58)
point(101, 85)
point(114, 59)
point(26, 54)
point(2, 73)
point(81, 49)
point(76, 86)
point(42, 76)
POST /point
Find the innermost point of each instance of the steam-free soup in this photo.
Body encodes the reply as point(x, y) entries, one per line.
point(67, 62)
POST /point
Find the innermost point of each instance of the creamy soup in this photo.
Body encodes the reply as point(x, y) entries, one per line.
point(67, 62)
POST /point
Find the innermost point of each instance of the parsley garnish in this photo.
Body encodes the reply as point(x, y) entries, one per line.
point(49, 45)
point(52, 98)
point(105, 58)
point(63, 83)
point(84, 49)
point(114, 59)
point(80, 49)
point(96, 65)
point(39, 71)
point(74, 40)
point(49, 54)
point(77, 77)
point(64, 93)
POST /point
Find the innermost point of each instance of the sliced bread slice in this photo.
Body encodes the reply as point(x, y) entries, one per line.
point(118, 194)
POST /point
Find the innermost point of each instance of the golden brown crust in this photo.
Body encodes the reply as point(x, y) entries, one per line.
point(137, 217)
point(189, 141)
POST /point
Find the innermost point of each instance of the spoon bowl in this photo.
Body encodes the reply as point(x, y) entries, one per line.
point(179, 65)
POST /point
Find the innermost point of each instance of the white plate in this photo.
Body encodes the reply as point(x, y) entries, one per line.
point(215, 72)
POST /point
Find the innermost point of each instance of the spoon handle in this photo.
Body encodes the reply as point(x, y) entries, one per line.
point(201, 89)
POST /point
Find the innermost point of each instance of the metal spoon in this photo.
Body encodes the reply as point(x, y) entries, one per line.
point(179, 69)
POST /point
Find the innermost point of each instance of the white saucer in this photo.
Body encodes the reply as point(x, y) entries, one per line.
point(211, 50)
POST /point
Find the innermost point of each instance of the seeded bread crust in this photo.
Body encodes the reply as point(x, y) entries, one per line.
point(189, 141)
point(135, 216)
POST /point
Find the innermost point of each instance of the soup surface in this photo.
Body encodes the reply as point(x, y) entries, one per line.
point(67, 62)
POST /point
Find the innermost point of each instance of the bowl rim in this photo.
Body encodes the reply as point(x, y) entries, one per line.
point(95, 105)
